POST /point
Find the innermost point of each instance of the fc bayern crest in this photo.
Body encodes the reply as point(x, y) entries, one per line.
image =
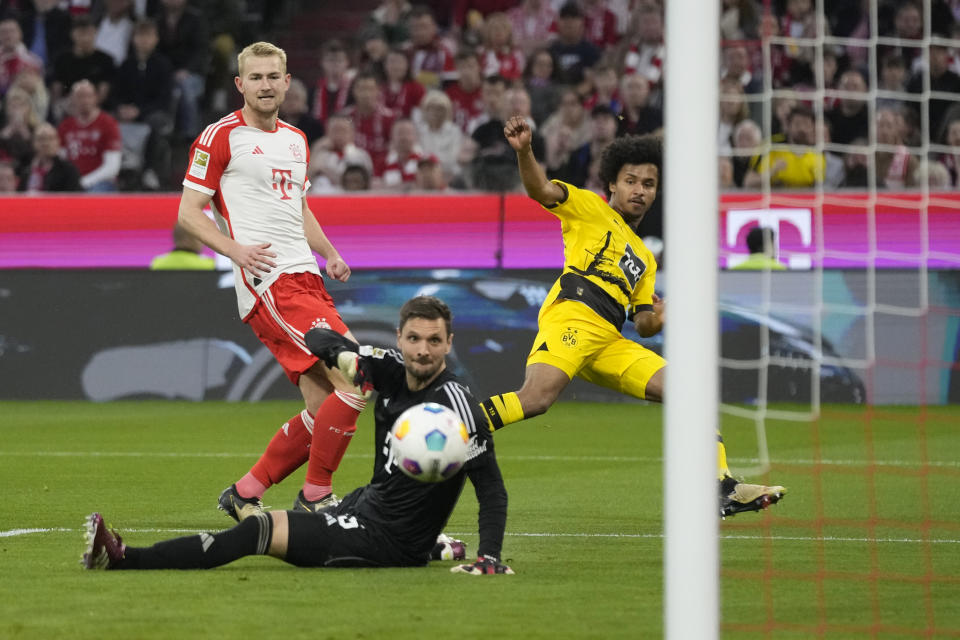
point(297, 152)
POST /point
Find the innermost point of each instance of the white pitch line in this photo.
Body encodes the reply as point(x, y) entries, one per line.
point(144, 454)
point(654, 536)
point(856, 463)
point(834, 462)
point(727, 537)
point(131, 454)
point(10, 533)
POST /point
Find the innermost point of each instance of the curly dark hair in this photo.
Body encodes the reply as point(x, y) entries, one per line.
point(645, 149)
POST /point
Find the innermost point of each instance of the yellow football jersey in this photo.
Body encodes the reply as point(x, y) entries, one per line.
point(605, 263)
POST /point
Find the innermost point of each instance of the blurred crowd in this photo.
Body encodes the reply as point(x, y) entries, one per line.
point(103, 95)
point(890, 115)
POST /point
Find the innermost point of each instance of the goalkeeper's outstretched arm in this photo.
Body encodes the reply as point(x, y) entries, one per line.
point(492, 500)
point(519, 135)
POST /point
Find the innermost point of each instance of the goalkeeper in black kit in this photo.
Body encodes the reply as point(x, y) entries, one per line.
point(394, 520)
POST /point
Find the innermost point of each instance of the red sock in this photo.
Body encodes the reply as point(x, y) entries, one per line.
point(335, 425)
point(288, 450)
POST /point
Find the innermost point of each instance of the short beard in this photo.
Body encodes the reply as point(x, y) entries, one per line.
point(422, 376)
point(631, 220)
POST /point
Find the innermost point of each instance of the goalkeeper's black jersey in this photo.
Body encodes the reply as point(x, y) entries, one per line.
point(414, 512)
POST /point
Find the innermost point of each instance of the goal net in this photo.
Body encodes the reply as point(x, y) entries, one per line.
point(840, 376)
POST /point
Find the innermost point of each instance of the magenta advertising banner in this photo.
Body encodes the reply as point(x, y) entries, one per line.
point(887, 230)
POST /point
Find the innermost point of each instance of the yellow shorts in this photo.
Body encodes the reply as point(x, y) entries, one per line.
point(574, 339)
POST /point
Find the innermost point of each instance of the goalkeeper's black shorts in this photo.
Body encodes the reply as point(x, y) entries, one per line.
point(337, 538)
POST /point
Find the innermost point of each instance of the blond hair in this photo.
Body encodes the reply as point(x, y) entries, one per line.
point(262, 50)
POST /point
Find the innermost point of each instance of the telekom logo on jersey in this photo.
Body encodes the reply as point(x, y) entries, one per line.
point(282, 180)
point(776, 219)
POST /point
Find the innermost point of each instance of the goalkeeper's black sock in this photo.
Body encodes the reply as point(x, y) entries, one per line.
point(204, 551)
point(502, 410)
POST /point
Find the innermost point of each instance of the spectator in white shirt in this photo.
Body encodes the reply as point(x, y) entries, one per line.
point(439, 136)
point(115, 30)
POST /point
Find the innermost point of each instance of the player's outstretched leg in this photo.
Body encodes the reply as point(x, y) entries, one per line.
point(736, 497)
point(105, 549)
point(542, 385)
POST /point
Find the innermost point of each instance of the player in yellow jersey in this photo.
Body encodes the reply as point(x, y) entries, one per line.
point(608, 278)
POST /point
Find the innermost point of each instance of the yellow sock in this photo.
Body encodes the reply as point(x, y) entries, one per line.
point(502, 410)
point(722, 469)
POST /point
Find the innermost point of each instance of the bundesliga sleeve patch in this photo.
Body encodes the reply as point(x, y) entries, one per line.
point(198, 168)
point(374, 352)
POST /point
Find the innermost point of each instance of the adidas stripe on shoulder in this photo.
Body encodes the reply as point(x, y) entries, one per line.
point(206, 138)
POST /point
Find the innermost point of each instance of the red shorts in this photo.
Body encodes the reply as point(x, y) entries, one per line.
point(294, 304)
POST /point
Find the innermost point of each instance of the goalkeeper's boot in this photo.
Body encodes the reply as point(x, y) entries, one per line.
point(736, 497)
point(238, 507)
point(315, 506)
point(448, 548)
point(105, 548)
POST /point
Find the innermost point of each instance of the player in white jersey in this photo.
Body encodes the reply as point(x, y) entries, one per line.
point(250, 167)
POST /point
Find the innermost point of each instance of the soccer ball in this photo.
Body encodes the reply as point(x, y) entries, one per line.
point(429, 442)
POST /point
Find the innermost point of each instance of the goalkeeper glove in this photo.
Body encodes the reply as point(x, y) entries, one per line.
point(355, 371)
point(485, 565)
point(340, 353)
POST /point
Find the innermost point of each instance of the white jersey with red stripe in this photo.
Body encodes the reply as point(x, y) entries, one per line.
point(257, 180)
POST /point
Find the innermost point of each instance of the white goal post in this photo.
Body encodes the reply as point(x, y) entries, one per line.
point(691, 512)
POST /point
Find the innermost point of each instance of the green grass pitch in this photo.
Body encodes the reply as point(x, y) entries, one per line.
point(862, 550)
